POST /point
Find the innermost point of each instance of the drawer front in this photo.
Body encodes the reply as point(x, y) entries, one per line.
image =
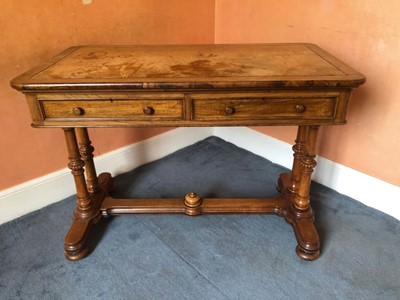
point(253, 107)
point(222, 108)
point(137, 109)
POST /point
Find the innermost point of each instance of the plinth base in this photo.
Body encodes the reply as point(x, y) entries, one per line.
point(76, 240)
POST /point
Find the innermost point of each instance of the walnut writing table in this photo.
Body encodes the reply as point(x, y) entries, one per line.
point(189, 85)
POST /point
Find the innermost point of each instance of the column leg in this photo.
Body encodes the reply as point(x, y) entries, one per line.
point(308, 163)
point(298, 154)
point(290, 181)
point(86, 152)
point(76, 164)
point(87, 211)
point(299, 212)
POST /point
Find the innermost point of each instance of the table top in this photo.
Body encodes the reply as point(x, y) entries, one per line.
point(296, 65)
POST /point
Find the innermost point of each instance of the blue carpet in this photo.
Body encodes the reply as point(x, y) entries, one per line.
point(209, 256)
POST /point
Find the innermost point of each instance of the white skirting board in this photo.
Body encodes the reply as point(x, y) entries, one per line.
point(56, 186)
point(369, 190)
point(42, 191)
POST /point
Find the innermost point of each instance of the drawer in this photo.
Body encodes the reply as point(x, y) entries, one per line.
point(254, 107)
point(136, 109)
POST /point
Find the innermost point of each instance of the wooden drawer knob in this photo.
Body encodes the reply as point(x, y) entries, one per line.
point(300, 108)
point(78, 111)
point(229, 110)
point(148, 110)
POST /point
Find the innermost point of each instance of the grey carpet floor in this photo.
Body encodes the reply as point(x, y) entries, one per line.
point(205, 257)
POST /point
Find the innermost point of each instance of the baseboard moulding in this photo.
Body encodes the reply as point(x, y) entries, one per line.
point(42, 191)
point(338, 177)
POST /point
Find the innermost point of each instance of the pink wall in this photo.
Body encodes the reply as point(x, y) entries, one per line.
point(364, 34)
point(32, 31)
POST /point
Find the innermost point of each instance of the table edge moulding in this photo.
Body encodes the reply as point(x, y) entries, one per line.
point(84, 87)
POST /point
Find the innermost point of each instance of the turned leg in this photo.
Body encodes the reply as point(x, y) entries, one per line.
point(308, 163)
point(290, 181)
point(87, 210)
point(298, 154)
point(299, 213)
point(90, 193)
point(86, 152)
point(76, 164)
point(97, 186)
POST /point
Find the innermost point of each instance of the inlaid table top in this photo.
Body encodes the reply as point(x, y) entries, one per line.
point(190, 66)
